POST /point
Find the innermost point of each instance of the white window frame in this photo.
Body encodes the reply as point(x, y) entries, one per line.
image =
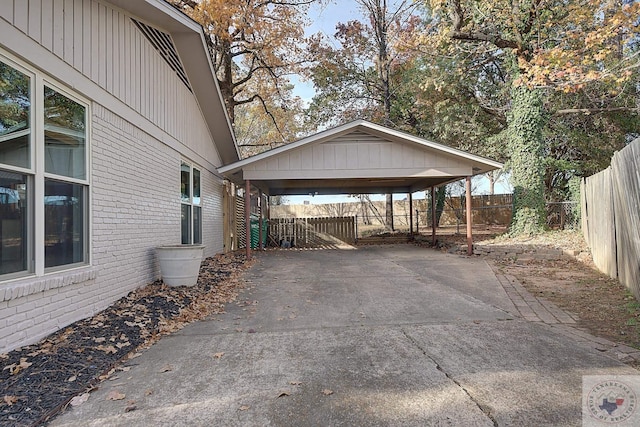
point(191, 203)
point(37, 175)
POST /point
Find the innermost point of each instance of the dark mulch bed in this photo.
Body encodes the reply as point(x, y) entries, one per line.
point(37, 381)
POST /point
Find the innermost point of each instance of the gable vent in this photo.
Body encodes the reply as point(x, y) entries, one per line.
point(164, 45)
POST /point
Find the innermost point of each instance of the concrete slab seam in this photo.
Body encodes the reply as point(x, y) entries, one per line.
point(483, 408)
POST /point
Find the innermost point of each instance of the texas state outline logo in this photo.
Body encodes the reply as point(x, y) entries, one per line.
point(610, 400)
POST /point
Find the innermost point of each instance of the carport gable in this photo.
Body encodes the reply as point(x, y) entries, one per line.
point(359, 157)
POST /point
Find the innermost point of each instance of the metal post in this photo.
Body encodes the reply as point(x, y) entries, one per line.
point(469, 219)
point(411, 214)
point(417, 221)
point(433, 216)
point(247, 217)
point(260, 234)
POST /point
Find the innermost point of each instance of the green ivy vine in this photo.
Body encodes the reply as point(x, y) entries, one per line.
point(525, 123)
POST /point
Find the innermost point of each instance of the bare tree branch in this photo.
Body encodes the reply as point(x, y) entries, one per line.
point(596, 110)
point(457, 16)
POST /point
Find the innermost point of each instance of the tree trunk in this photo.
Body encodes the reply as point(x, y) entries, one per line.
point(492, 182)
point(380, 21)
point(225, 81)
point(526, 121)
point(441, 197)
point(389, 213)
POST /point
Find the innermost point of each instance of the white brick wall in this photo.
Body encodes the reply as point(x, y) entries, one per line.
point(212, 221)
point(135, 206)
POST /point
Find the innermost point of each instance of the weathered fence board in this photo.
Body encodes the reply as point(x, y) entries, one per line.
point(626, 176)
point(601, 226)
point(487, 209)
point(313, 231)
point(241, 224)
point(611, 217)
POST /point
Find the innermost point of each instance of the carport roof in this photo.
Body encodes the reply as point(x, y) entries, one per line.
point(356, 158)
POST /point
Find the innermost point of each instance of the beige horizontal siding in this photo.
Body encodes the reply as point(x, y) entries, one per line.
point(104, 44)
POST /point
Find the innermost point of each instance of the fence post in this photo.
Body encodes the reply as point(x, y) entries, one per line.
point(356, 228)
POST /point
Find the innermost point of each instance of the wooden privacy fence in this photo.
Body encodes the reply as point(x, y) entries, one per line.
point(611, 217)
point(312, 231)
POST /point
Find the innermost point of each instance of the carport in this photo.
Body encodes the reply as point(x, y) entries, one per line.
point(359, 157)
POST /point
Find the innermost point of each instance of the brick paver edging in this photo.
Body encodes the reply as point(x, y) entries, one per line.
point(534, 309)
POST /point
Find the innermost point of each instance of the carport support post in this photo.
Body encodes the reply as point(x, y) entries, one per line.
point(247, 217)
point(469, 218)
point(433, 216)
point(411, 214)
point(260, 235)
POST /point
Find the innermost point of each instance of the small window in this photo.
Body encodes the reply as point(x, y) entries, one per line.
point(191, 209)
point(64, 212)
point(14, 220)
point(15, 117)
point(64, 135)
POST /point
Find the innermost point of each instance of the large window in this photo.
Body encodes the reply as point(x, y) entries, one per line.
point(191, 208)
point(43, 174)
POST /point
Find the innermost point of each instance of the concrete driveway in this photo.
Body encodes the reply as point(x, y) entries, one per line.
point(378, 336)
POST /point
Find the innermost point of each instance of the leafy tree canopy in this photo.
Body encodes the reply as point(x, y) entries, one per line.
point(255, 46)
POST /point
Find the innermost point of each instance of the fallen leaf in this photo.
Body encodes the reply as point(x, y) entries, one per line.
point(107, 349)
point(104, 376)
point(284, 393)
point(99, 339)
point(243, 408)
point(124, 368)
point(218, 355)
point(79, 400)
point(14, 368)
point(10, 400)
point(295, 382)
point(115, 395)
point(166, 368)
point(131, 406)
point(148, 392)
point(72, 378)
point(327, 392)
